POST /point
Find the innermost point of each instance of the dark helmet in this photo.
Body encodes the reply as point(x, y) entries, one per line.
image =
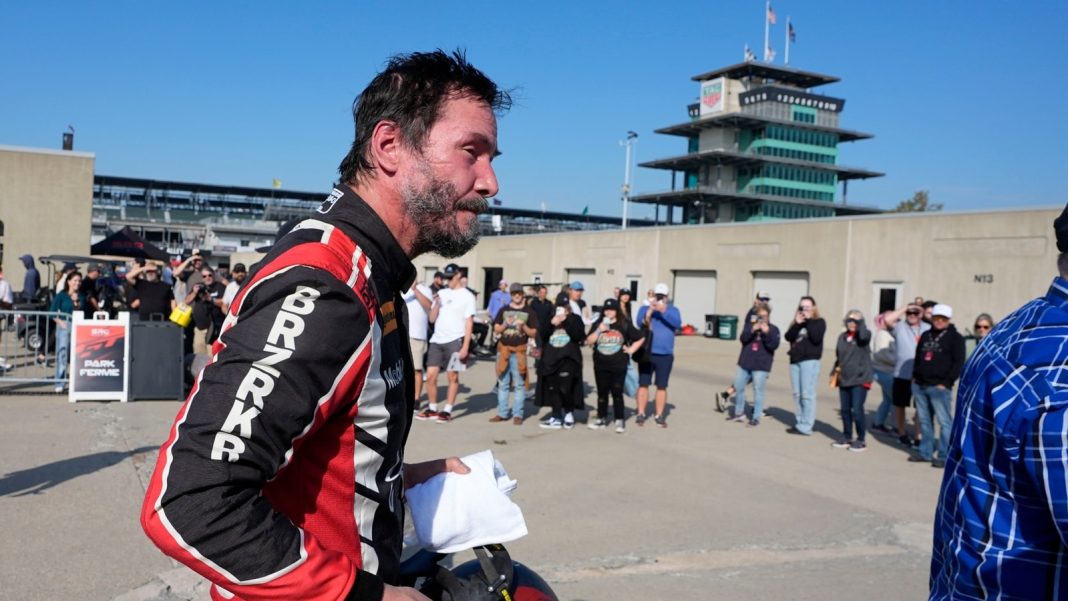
point(492, 576)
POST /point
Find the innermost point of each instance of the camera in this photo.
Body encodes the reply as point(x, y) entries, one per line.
point(140, 261)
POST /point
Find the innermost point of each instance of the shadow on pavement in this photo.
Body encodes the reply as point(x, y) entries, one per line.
point(36, 480)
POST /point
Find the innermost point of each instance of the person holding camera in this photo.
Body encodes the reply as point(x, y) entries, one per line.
point(853, 375)
point(759, 340)
point(805, 336)
point(206, 298)
point(614, 339)
point(661, 319)
point(560, 372)
point(189, 270)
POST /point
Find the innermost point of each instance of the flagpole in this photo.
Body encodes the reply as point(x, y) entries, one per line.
point(787, 41)
point(767, 28)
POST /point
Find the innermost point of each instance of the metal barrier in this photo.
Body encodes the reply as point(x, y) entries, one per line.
point(28, 347)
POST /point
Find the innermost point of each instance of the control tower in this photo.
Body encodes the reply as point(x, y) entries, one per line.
point(761, 145)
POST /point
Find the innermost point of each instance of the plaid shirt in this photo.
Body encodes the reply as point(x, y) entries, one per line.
point(1001, 528)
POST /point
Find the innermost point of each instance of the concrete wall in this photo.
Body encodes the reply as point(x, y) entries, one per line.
point(46, 199)
point(990, 261)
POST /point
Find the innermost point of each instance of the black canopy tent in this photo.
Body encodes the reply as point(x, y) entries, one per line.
point(126, 243)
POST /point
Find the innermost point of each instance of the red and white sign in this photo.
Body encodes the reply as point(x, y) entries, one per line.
point(100, 359)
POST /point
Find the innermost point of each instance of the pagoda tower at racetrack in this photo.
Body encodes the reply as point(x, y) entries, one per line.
point(761, 146)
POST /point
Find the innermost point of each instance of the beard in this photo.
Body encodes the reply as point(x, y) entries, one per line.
point(433, 213)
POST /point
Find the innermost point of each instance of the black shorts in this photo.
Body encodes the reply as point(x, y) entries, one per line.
point(902, 392)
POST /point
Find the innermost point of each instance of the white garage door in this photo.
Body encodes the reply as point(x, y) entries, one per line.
point(694, 293)
point(588, 277)
point(786, 289)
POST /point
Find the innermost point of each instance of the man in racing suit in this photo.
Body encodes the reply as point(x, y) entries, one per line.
point(283, 475)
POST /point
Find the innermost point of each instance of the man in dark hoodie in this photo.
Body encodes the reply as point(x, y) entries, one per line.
point(939, 360)
point(31, 282)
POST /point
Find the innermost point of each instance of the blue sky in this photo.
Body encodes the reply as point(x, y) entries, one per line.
point(965, 99)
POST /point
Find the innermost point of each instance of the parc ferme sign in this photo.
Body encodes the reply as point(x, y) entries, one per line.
point(100, 358)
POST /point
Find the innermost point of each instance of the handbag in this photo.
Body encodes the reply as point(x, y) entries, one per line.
point(642, 354)
point(630, 383)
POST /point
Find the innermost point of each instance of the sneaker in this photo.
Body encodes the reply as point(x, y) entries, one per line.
point(426, 414)
point(737, 418)
point(496, 419)
point(444, 417)
point(881, 428)
point(842, 444)
point(620, 428)
point(59, 389)
point(918, 459)
point(640, 420)
point(763, 413)
point(597, 424)
point(517, 421)
point(552, 424)
point(858, 447)
point(939, 463)
point(569, 420)
point(753, 423)
point(904, 440)
point(660, 421)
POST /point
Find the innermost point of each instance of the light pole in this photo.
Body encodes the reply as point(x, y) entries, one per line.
point(632, 139)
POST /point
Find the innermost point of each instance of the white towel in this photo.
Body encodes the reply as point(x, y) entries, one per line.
point(453, 512)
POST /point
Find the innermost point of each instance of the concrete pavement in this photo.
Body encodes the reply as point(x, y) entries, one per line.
point(703, 509)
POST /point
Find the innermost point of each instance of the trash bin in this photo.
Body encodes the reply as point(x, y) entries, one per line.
point(156, 361)
point(728, 327)
point(711, 326)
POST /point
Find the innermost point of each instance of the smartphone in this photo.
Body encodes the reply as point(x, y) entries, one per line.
point(561, 311)
point(608, 321)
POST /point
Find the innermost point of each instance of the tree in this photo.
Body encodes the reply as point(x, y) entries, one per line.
point(919, 203)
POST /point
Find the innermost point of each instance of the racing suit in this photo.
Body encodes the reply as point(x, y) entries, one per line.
point(281, 476)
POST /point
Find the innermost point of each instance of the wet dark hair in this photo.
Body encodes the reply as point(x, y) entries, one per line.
point(410, 92)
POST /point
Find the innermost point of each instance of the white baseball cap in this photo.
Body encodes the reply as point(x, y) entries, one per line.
point(661, 288)
point(942, 310)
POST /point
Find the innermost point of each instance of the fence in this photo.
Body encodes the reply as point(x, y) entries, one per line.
point(28, 348)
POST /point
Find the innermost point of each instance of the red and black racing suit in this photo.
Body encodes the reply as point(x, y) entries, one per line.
point(281, 477)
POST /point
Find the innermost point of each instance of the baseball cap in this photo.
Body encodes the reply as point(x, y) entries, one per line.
point(625, 290)
point(577, 285)
point(239, 268)
point(451, 270)
point(661, 288)
point(92, 267)
point(610, 303)
point(943, 310)
point(763, 295)
point(515, 288)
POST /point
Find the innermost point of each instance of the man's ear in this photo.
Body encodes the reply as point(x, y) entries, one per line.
point(386, 147)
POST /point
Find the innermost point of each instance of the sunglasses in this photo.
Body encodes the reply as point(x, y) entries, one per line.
point(981, 327)
point(912, 312)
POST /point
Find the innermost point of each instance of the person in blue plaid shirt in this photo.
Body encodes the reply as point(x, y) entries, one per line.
point(1002, 520)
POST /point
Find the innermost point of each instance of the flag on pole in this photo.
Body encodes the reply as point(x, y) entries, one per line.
point(586, 210)
point(793, 34)
point(276, 183)
point(496, 202)
point(769, 54)
point(771, 15)
point(749, 56)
